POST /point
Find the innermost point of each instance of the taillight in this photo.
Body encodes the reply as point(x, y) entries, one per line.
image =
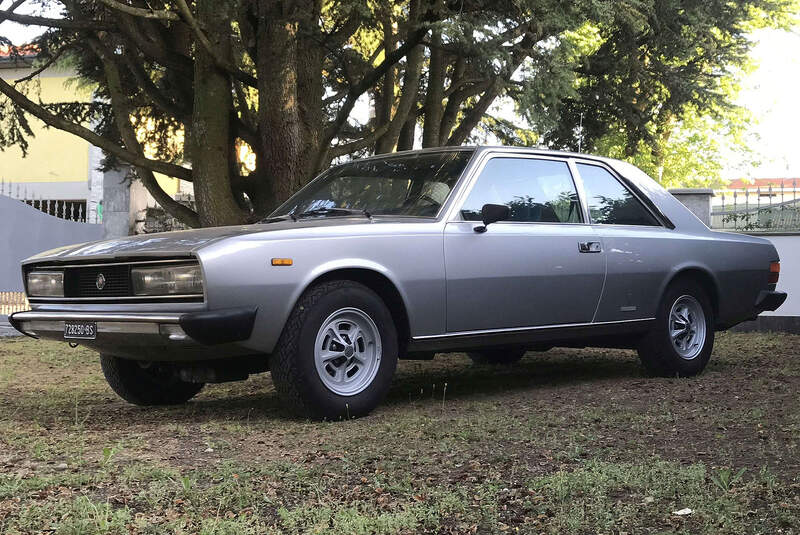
point(774, 272)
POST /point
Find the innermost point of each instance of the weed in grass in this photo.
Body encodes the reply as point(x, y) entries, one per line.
point(108, 454)
point(725, 478)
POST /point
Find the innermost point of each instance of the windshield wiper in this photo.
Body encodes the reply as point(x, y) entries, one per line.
point(277, 218)
point(334, 212)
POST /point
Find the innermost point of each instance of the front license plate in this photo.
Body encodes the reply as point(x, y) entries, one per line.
point(80, 330)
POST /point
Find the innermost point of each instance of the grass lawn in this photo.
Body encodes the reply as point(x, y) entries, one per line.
point(568, 441)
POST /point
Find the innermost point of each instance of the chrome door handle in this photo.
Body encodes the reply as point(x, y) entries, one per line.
point(589, 247)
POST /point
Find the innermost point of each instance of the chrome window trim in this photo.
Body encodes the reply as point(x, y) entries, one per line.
point(454, 213)
point(659, 218)
point(523, 329)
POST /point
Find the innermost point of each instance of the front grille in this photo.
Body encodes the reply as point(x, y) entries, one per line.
point(82, 281)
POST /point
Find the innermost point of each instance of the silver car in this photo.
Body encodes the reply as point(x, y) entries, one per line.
point(493, 251)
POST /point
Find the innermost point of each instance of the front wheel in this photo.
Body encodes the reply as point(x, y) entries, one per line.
point(338, 352)
point(146, 383)
point(681, 342)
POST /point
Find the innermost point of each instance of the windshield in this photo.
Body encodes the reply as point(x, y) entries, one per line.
point(413, 185)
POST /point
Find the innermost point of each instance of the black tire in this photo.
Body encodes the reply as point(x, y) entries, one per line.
point(657, 351)
point(146, 384)
point(293, 366)
point(499, 355)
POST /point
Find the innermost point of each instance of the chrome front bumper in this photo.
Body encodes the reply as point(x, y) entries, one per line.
point(149, 336)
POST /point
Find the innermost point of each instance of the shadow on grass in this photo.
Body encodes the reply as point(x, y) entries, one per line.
point(255, 399)
point(536, 371)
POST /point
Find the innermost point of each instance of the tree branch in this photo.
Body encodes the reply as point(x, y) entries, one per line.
point(369, 80)
point(160, 14)
point(67, 24)
point(408, 99)
point(13, 7)
point(153, 51)
point(44, 67)
point(107, 145)
point(122, 116)
point(155, 94)
point(339, 36)
point(220, 62)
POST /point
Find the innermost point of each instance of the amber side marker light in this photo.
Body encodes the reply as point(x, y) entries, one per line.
point(774, 272)
point(282, 262)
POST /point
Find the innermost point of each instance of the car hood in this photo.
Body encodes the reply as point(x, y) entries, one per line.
point(181, 243)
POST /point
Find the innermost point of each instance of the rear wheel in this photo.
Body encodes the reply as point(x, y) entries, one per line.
point(681, 342)
point(496, 355)
point(146, 383)
point(338, 352)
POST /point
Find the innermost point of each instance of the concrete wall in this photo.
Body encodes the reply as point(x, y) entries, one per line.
point(788, 247)
point(25, 231)
point(117, 220)
point(698, 200)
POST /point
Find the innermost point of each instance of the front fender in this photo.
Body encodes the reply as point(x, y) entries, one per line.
point(239, 273)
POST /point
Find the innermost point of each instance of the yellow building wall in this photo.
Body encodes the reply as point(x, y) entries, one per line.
point(53, 155)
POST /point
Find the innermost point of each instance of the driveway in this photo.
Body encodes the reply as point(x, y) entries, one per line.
point(6, 329)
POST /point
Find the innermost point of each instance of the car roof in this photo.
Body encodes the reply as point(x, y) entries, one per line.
point(544, 151)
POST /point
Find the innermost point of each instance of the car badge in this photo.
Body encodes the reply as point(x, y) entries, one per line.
point(100, 282)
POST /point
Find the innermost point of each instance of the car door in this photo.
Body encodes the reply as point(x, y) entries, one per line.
point(635, 243)
point(543, 266)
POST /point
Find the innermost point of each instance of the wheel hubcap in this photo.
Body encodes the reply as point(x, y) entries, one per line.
point(687, 327)
point(347, 351)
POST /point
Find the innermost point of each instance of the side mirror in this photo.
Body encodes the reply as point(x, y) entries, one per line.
point(492, 213)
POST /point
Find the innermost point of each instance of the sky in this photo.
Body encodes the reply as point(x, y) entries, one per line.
point(771, 92)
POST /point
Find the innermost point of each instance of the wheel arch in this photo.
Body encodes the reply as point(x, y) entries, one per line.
point(702, 276)
point(379, 282)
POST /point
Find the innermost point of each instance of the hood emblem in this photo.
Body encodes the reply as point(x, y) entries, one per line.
point(100, 282)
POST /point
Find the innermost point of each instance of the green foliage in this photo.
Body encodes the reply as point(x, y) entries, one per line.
point(655, 85)
point(725, 478)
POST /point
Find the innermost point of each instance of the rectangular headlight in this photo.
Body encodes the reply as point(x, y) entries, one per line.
point(167, 280)
point(46, 284)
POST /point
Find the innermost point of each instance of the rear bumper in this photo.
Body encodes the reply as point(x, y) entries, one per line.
point(769, 300)
point(146, 336)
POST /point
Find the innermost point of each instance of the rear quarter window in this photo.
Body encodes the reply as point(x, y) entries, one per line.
point(609, 201)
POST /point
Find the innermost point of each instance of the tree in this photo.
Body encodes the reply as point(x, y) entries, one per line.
point(658, 90)
point(282, 78)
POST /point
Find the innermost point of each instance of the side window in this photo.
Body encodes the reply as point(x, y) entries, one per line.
point(610, 203)
point(535, 190)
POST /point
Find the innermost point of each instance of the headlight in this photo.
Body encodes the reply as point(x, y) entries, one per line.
point(46, 284)
point(172, 280)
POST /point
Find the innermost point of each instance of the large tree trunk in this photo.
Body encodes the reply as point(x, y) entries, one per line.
point(435, 94)
point(310, 90)
point(210, 135)
point(385, 97)
point(280, 131)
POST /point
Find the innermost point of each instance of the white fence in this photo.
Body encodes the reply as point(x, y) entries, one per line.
point(757, 209)
point(71, 210)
